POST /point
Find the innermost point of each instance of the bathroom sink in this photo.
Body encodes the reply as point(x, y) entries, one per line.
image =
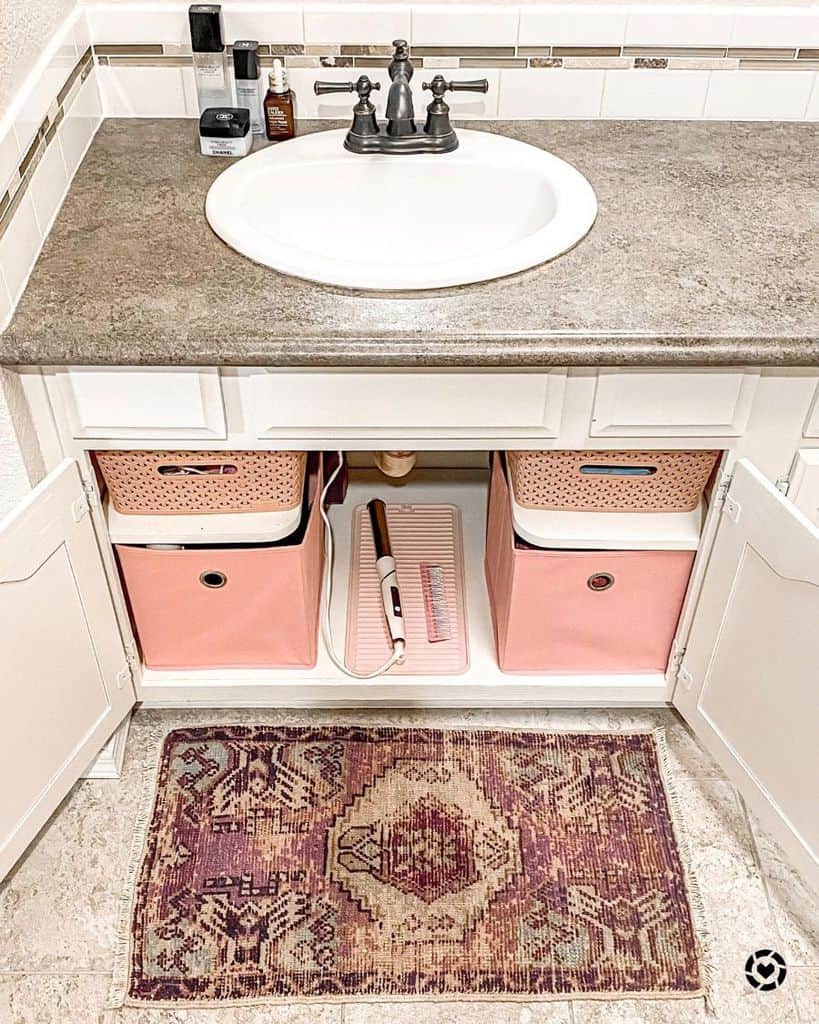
point(309, 208)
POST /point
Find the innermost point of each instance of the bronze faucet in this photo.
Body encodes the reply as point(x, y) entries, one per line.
point(400, 133)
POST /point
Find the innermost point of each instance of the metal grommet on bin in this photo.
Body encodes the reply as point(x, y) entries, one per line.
point(599, 581)
point(213, 578)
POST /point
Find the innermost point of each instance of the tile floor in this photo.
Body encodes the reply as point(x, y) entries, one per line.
point(58, 909)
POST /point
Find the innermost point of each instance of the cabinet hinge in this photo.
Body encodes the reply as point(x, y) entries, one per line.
point(91, 494)
point(80, 507)
point(677, 655)
point(132, 658)
point(723, 485)
point(783, 485)
point(124, 676)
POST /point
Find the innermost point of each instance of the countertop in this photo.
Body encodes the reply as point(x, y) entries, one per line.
point(705, 252)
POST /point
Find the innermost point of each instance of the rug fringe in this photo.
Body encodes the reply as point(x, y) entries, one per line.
point(705, 954)
point(122, 947)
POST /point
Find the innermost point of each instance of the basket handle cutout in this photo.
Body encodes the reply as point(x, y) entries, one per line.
point(217, 469)
point(592, 469)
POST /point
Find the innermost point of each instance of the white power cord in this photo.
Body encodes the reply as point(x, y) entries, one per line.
point(399, 647)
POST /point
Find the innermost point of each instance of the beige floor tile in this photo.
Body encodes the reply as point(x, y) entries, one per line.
point(795, 907)
point(641, 1011)
point(470, 1012)
point(52, 999)
point(804, 985)
point(738, 917)
point(59, 907)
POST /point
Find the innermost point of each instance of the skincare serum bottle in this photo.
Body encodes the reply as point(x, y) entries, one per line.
point(248, 77)
point(213, 86)
point(279, 110)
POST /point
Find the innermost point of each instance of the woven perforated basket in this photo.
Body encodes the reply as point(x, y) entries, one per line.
point(608, 481)
point(191, 483)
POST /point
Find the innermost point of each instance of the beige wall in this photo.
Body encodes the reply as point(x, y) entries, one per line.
point(26, 26)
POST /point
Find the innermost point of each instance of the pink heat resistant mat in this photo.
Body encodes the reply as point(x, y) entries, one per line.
point(420, 535)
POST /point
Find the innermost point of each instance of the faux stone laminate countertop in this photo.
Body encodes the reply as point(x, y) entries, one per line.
point(705, 252)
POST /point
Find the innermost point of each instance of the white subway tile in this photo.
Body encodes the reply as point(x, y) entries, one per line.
point(812, 113)
point(686, 26)
point(38, 101)
point(464, 25)
point(771, 27)
point(10, 154)
point(79, 124)
point(191, 96)
point(81, 33)
point(19, 247)
point(356, 24)
point(550, 93)
point(759, 95)
point(464, 105)
point(5, 302)
point(661, 94)
point(572, 25)
point(268, 24)
point(48, 186)
point(334, 104)
point(141, 91)
point(132, 23)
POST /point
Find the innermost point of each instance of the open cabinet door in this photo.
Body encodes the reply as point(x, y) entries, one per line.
point(749, 680)
point(65, 684)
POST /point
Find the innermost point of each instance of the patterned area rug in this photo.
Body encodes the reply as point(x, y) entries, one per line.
point(347, 863)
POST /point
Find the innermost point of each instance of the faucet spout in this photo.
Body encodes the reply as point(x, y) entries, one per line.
point(400, 109)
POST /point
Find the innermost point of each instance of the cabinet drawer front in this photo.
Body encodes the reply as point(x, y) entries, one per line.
point(672, 403)
point(141, 402)
point(458, 404)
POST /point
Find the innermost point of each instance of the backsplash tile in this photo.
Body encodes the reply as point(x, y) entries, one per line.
point(691, 27)
point(19, 245)
point(760, 95)
point(767, 28)
point(128, 91)
point(356, 23)
point(465, 25)
point(9, 159)
point(573, 25)
point(551, 93)
point(255, 22)
point(661, 95)
point(812, 112)
point(48, 184)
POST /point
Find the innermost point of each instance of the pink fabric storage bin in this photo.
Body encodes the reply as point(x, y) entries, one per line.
point(579, 611)
point(253, 607)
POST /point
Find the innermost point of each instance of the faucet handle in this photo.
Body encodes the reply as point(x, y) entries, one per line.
point(363, 86)
point(476, 85)
point(439, 85)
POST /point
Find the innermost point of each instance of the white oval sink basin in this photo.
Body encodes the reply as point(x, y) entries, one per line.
point(309, 208)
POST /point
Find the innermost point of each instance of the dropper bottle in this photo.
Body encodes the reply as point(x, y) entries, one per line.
point(279, 106)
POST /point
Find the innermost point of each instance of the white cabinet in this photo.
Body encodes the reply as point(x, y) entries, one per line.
point(672, 402)
point(812, 423)
point(804, 485)
point(417, 404)
point(139, 403)
point(749, 680)
point(65, 683)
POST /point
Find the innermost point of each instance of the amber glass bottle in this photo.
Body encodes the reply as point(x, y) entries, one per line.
point(279, 107)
